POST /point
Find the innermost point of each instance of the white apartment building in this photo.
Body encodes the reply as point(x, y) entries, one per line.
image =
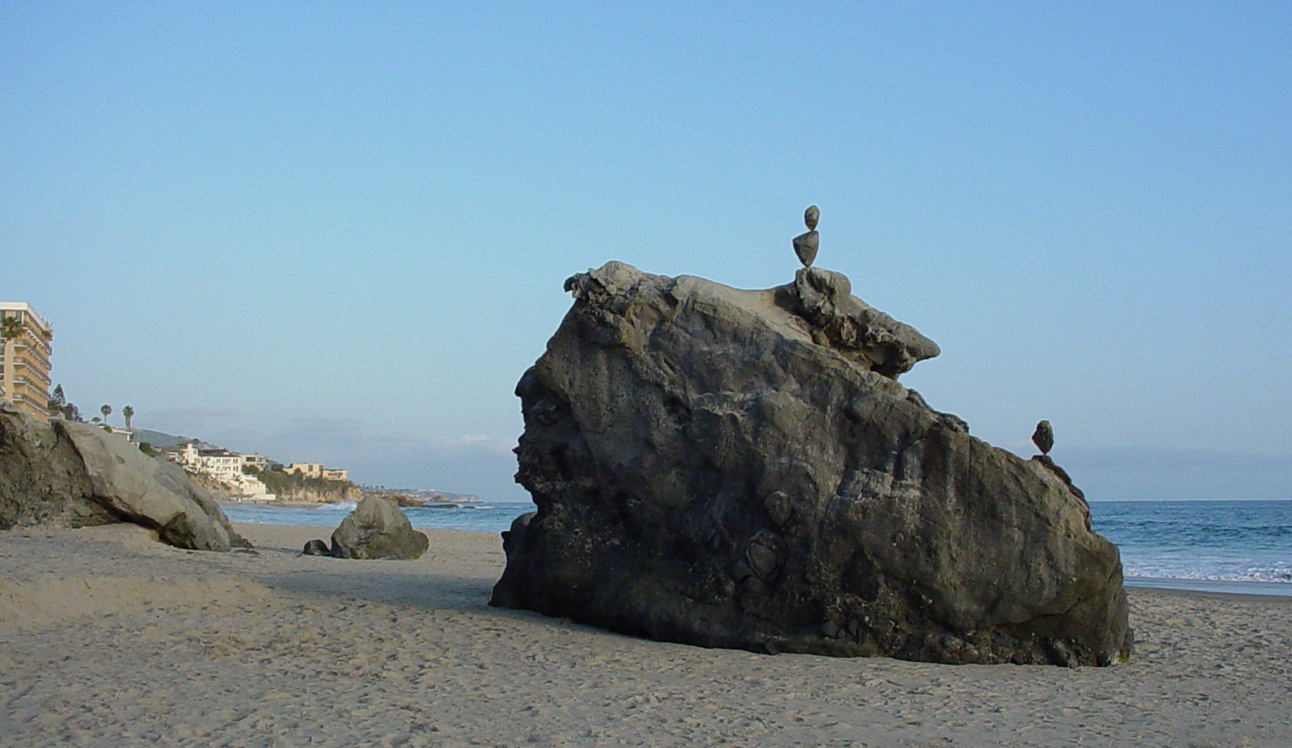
point(317, 470)
point(307, 469)
point(225, 466)
point(24, 359)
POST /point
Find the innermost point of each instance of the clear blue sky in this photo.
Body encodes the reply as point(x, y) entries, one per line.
point(338, 231)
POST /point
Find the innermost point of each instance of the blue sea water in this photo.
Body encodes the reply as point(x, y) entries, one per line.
point(484, 516)
point(1224, 546)
point(1243, 547)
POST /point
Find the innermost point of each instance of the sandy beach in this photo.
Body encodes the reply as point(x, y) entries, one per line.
point(110, 639)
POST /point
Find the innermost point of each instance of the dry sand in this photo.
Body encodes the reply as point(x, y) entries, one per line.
point(109, 639)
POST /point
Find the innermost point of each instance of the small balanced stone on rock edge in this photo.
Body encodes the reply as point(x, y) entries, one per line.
point(1043, 437)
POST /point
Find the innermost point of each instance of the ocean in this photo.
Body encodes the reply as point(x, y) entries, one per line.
point(482, 516)
point(1243, 547)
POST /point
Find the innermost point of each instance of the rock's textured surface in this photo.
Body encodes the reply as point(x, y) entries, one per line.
point(72, 475)
point(837, 319)
point(741, 469)
point(42, 477)
point(377, 529)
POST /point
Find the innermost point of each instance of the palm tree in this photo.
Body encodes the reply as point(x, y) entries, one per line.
point(106, 410)
point(10, 328)
point(128, 412)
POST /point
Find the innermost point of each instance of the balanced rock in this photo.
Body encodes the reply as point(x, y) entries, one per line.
point(74, 475)
point(1043, 437)
point(806, 246)
point(741, 469)
point(378, 529)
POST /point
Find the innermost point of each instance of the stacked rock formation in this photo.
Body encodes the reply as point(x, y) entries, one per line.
point(806, 245)
point(74, 475)
point(742, 469)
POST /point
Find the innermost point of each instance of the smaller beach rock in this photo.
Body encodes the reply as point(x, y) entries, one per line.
point(378, 529)
point(316, 547)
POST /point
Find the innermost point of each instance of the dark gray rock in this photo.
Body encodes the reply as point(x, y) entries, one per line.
point(811, 216)
point(1043, 437)
point(513, 541)
point(42, 477)
point(805, 246)
point(378, 529)
point(741, 469)
point(316, 547)
point(73, 475)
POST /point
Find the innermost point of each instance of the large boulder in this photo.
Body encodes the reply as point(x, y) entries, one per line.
point(72, 475)
point(377, 529)
point(742, 469)
point(42, 476)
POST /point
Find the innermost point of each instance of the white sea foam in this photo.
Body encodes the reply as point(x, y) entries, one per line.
point(340, 506)
point(1212, 570)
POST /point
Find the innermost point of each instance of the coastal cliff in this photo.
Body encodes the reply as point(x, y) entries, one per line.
point(295, 487)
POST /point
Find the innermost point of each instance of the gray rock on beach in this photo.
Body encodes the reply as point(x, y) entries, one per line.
point(376, 529)
point(316, 547)
point(72, 474)
point(741, 469)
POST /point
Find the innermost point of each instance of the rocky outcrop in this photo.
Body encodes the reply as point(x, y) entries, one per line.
point(376, 529)
point(344, 491)
point(72, 475)
point(742, 469)
point(293, 487)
